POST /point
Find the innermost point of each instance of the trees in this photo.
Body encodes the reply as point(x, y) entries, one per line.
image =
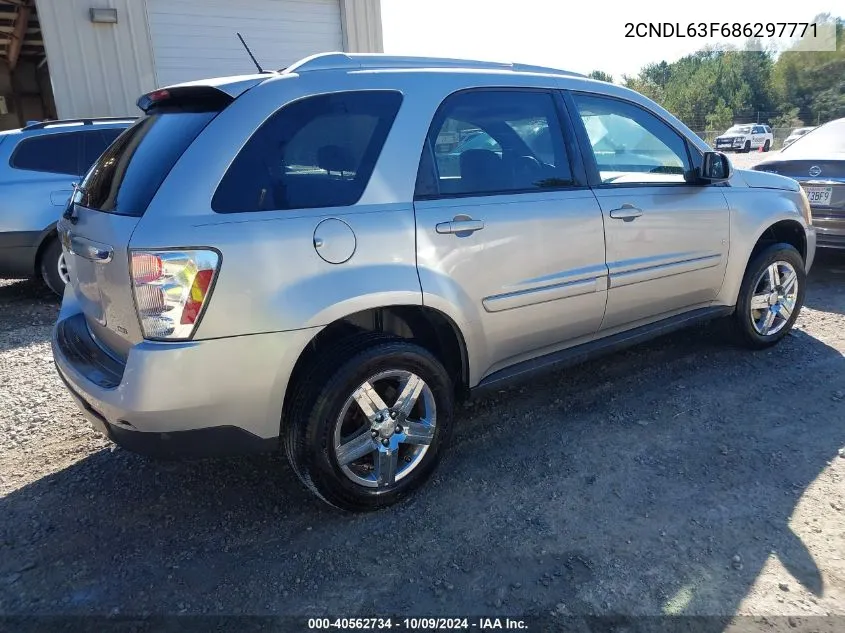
point(711, 89)
point(601, 76)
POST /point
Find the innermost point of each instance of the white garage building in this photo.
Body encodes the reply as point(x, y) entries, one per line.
point(103, 54)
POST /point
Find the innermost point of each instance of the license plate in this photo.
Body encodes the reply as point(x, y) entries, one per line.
point(819, 195)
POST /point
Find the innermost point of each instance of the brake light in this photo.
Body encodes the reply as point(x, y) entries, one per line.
point(171, 288)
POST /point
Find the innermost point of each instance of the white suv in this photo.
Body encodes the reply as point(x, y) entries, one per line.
point(744, 138)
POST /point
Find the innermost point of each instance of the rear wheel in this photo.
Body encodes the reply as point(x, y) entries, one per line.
point(766, 146)
point(771, 296)
point(369, 427)
point(54, 267)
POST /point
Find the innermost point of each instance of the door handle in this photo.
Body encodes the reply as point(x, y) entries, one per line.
point(86, 249)
point(627, 212)
point(459, 226)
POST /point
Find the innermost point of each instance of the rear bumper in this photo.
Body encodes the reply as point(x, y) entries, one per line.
point(18, 250)
point(830, 232)
point(198, 398)
point(206, 442)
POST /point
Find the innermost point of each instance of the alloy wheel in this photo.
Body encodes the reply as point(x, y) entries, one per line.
point(774, 298)
point(377, 444)
point(61, 265)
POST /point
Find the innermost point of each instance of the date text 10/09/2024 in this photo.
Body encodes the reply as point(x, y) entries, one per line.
point(418, 624)
point(723, 29)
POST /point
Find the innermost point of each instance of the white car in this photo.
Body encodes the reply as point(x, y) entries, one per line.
point(796, 134)
point(745, 137)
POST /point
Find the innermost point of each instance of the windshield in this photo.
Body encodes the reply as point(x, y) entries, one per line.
point(826, 139)
point(739, 129)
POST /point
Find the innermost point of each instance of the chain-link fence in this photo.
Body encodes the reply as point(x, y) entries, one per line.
point(780, 134)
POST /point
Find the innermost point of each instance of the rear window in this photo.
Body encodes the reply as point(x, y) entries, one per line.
point(316, 152)
point(127, 176)
point(53, 153)
point(95, 143)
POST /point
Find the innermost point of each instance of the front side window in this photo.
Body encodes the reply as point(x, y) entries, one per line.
point(316, 152)
point(631, 145)
point(494, 142)
point(54, 153)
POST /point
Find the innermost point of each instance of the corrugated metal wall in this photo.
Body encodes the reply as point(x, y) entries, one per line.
point(195, 39)
point(102, 69)
point(97, 69)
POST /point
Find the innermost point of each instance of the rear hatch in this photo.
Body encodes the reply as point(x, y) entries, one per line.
point(105, 209)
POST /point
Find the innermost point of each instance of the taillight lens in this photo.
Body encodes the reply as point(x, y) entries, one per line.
point(171, 288)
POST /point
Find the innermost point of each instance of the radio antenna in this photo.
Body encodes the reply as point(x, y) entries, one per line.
point(251, 56)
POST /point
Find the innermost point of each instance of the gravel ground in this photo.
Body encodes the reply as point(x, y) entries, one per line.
point(685, 476)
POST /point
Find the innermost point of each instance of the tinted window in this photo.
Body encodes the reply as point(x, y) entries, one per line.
point(486, 142)
point(631, 145)
point(95, 143)
point(127, 176)
point(316, 152)
point(55, 153)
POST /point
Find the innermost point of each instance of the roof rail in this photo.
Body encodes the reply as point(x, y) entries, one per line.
point(377, 61)
point(40, 125)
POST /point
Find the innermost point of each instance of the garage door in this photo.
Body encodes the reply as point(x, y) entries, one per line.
point(195, 39)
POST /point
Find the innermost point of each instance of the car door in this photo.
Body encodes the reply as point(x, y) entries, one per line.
point(758, 137)
point(667, 237)
point(507, 228)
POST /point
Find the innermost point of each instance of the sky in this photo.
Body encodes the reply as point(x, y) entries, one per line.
point(579, 35)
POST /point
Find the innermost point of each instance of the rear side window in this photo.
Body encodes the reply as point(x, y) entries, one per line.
point(127, 176)
point(54, 153)
point(316, 152)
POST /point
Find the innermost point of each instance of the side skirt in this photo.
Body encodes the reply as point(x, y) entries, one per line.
point(586, 351)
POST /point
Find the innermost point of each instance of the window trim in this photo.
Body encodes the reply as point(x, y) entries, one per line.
point(694, 156)
point(28, 139)
point(576, 168)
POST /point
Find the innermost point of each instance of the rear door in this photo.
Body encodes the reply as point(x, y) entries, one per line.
point(507, 226)
point(104, 212)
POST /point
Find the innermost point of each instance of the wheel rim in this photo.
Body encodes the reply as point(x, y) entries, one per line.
point(774, 298)
point(61, 265)
point(376, 444)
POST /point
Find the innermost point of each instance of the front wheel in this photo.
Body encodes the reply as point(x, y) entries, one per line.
point(771, 296)
point(371, 429)
point(747, 147)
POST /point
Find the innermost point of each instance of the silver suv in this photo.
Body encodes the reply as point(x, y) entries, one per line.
point(38, 165)
point(275, 260)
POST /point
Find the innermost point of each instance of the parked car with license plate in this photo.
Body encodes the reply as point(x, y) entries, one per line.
point(38, 165)
point(744, 138)
point(276, 262)
point(817, 162)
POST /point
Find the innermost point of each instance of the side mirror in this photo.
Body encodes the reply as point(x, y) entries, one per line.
point(715, 168)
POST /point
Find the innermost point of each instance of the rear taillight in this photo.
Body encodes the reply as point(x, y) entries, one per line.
point(171, 289)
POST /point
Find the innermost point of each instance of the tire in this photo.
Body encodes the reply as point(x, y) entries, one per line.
point(750, 322)
point(49, 267)
point(325, 409)
point(747, 147)
point(767, 146)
